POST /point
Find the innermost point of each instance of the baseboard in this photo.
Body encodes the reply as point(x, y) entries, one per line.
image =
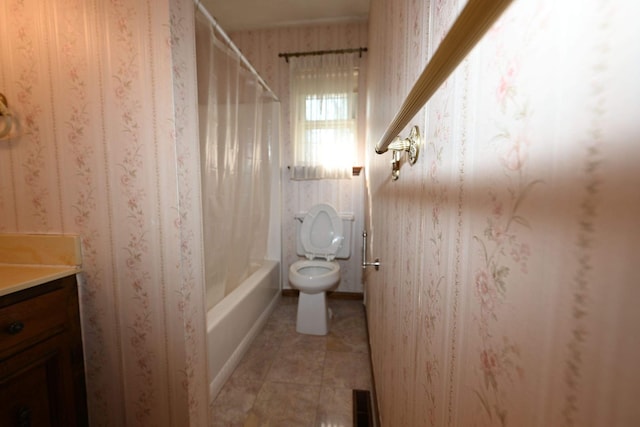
point(374, 397)
point(356, 296)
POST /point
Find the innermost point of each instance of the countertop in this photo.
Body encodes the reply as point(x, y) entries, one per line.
point(28, 260)
point(15, 278)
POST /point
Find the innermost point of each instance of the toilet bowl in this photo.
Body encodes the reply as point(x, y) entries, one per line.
point(321, 238)
point(314, 276)
point(313, 279)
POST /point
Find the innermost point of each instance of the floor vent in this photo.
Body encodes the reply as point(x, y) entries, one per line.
point(362, 414)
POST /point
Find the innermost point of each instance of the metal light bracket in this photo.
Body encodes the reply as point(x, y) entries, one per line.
point(410, 145)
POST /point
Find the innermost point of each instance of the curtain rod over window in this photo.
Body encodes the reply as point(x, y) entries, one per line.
point(473, 22)
point(286, 56)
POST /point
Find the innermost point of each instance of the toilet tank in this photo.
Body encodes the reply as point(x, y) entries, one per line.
point(347, 229)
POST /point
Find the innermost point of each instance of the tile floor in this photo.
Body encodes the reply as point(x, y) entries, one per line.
point(289, 379)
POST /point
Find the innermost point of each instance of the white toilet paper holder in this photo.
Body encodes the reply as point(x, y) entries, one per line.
point(365, 263)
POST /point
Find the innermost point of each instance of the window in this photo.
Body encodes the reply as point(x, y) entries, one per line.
point(324, 94)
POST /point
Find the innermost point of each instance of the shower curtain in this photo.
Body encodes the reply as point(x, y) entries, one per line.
point(234, 120)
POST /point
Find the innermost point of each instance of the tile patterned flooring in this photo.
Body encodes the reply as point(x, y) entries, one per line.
point(290, 379)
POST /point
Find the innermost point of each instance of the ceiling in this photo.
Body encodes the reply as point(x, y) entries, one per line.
point(234, 15)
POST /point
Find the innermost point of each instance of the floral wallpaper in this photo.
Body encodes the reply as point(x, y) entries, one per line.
point(507, 293)
point(104, 92)
point(507, 268)
point(261, 47)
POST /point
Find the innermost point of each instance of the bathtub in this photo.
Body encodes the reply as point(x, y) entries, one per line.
point(234, 322)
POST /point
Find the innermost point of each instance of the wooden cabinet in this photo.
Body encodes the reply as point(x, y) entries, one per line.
point(41, 362)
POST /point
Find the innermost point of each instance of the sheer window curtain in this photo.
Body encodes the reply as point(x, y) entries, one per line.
point(324, 104)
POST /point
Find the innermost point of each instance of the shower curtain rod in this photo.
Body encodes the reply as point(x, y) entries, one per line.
point(233, 46)
point(286, 56)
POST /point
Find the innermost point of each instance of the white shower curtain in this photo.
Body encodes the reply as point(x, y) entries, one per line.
point(235, 164)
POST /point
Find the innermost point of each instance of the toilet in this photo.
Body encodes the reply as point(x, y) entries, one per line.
point(323, 236)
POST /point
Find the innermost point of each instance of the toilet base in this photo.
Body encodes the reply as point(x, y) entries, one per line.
point(313, 315)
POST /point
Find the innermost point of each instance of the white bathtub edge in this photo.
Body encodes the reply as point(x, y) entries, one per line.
point(236, 357)
point(227, 345)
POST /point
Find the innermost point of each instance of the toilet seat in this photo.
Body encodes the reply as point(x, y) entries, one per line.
point(321, 233)
point(320, 239)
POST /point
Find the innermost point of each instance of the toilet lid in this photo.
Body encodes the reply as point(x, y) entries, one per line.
point(321, 232)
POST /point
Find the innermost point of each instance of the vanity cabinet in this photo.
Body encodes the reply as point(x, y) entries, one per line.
point(41, 361)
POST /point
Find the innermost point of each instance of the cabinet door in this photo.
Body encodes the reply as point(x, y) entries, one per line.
point(35, 386)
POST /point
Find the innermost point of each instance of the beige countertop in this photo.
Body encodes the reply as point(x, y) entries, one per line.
point(15, 278)
point(28, 260)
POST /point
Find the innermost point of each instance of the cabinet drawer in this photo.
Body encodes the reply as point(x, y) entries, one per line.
point(32, 320)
